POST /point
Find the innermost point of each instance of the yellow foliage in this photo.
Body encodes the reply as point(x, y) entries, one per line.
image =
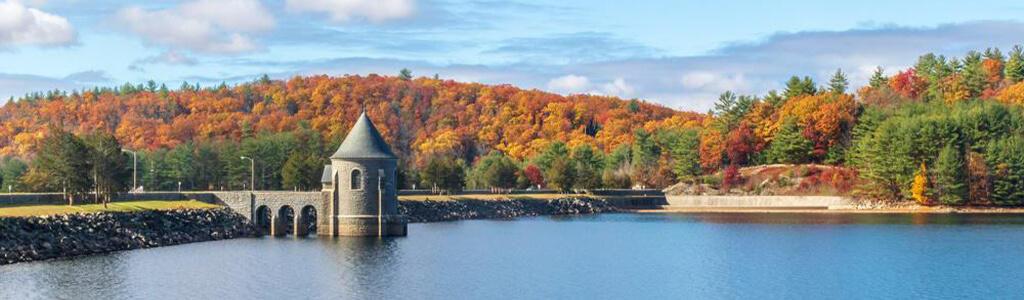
point(1013, 94)
point(954, 89)
point(764, 119)
point(919, 188)
point(445, 142)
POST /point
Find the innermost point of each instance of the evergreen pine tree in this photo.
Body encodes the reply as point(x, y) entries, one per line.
point(839, 83)
point(405, 74)
point(878, 79)
point(1015, 65)
point(950, 178)
point(588, 164)
point(789, 146)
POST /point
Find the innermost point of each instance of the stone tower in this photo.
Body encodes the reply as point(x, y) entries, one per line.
point(360, 186)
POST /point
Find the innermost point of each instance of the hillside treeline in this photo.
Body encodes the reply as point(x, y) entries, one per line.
point(947, 130)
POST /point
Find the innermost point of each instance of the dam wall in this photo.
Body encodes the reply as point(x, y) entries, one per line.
point(758, 201)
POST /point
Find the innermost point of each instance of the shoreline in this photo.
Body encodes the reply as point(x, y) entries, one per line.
point(825, 210)
point(67, 236)
point(72, 235)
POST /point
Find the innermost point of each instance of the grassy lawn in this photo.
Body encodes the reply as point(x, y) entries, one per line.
point(489, 197)
point(38, 210)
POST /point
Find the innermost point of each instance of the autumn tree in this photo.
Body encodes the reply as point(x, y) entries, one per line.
point(908, 84)
point(978, 182)
point(921, 187)
point(1013, 94)
point(534, 175)
point(731, 177)
point(711, 149)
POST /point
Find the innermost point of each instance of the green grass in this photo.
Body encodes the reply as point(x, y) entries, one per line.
point(41, 210)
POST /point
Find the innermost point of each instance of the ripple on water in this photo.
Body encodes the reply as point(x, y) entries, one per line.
point(608, 256)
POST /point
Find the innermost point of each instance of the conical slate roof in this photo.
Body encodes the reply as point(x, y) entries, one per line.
point(364, 141)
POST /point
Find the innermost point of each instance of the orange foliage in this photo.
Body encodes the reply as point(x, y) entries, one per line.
point(1013, 94)
point(824, 117)
point(418, 117)
point(711, 148)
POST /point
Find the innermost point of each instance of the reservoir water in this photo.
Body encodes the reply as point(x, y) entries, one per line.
point(606, 256)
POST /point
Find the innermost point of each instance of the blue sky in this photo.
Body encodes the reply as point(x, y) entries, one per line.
point(678, 53)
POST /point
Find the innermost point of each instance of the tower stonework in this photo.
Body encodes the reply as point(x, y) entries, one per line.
point(360, 186)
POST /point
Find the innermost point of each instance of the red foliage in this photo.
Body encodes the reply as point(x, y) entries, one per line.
point(732, 177)
point(534, 175)
point(742, 143)
point(908, 84)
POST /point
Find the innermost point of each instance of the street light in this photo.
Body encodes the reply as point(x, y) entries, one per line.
point(135, 168)
point(252, 173)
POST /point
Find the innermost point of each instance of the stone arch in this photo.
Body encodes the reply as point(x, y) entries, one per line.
point(285, 218)
point(357, 179)
point(262, 219)
point(306, 221)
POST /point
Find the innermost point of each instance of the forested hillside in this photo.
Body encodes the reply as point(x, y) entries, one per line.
point(947, 130)
point(185, 131)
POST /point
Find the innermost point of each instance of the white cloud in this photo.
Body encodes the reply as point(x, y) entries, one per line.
point(376, 11)
point(26, 26)
point(209, 26)
point(577, 84)
point(618, 87)
point(714, 81)
point(569, 84)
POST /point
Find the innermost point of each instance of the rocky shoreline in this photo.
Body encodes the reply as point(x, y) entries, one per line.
point(438, 211)
point(24, 239)
point(38, 238)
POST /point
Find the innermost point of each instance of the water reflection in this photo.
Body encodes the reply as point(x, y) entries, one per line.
point(617, 256)
point(365, 267)
point(107, 277)
point(928, 219)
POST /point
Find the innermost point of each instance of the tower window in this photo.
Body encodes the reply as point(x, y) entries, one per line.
point(357, 179)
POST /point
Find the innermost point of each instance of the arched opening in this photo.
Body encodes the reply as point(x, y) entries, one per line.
point(262, 219)
point(357, 179)
point(286, 217)
point(309, 219)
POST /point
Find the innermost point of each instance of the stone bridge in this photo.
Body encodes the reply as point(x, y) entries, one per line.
point(277, 213)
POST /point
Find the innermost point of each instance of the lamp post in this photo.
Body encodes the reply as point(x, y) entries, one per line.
point(135, 169)
point(252, 173)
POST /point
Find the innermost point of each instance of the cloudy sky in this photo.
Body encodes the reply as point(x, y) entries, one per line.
point(678, 53)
